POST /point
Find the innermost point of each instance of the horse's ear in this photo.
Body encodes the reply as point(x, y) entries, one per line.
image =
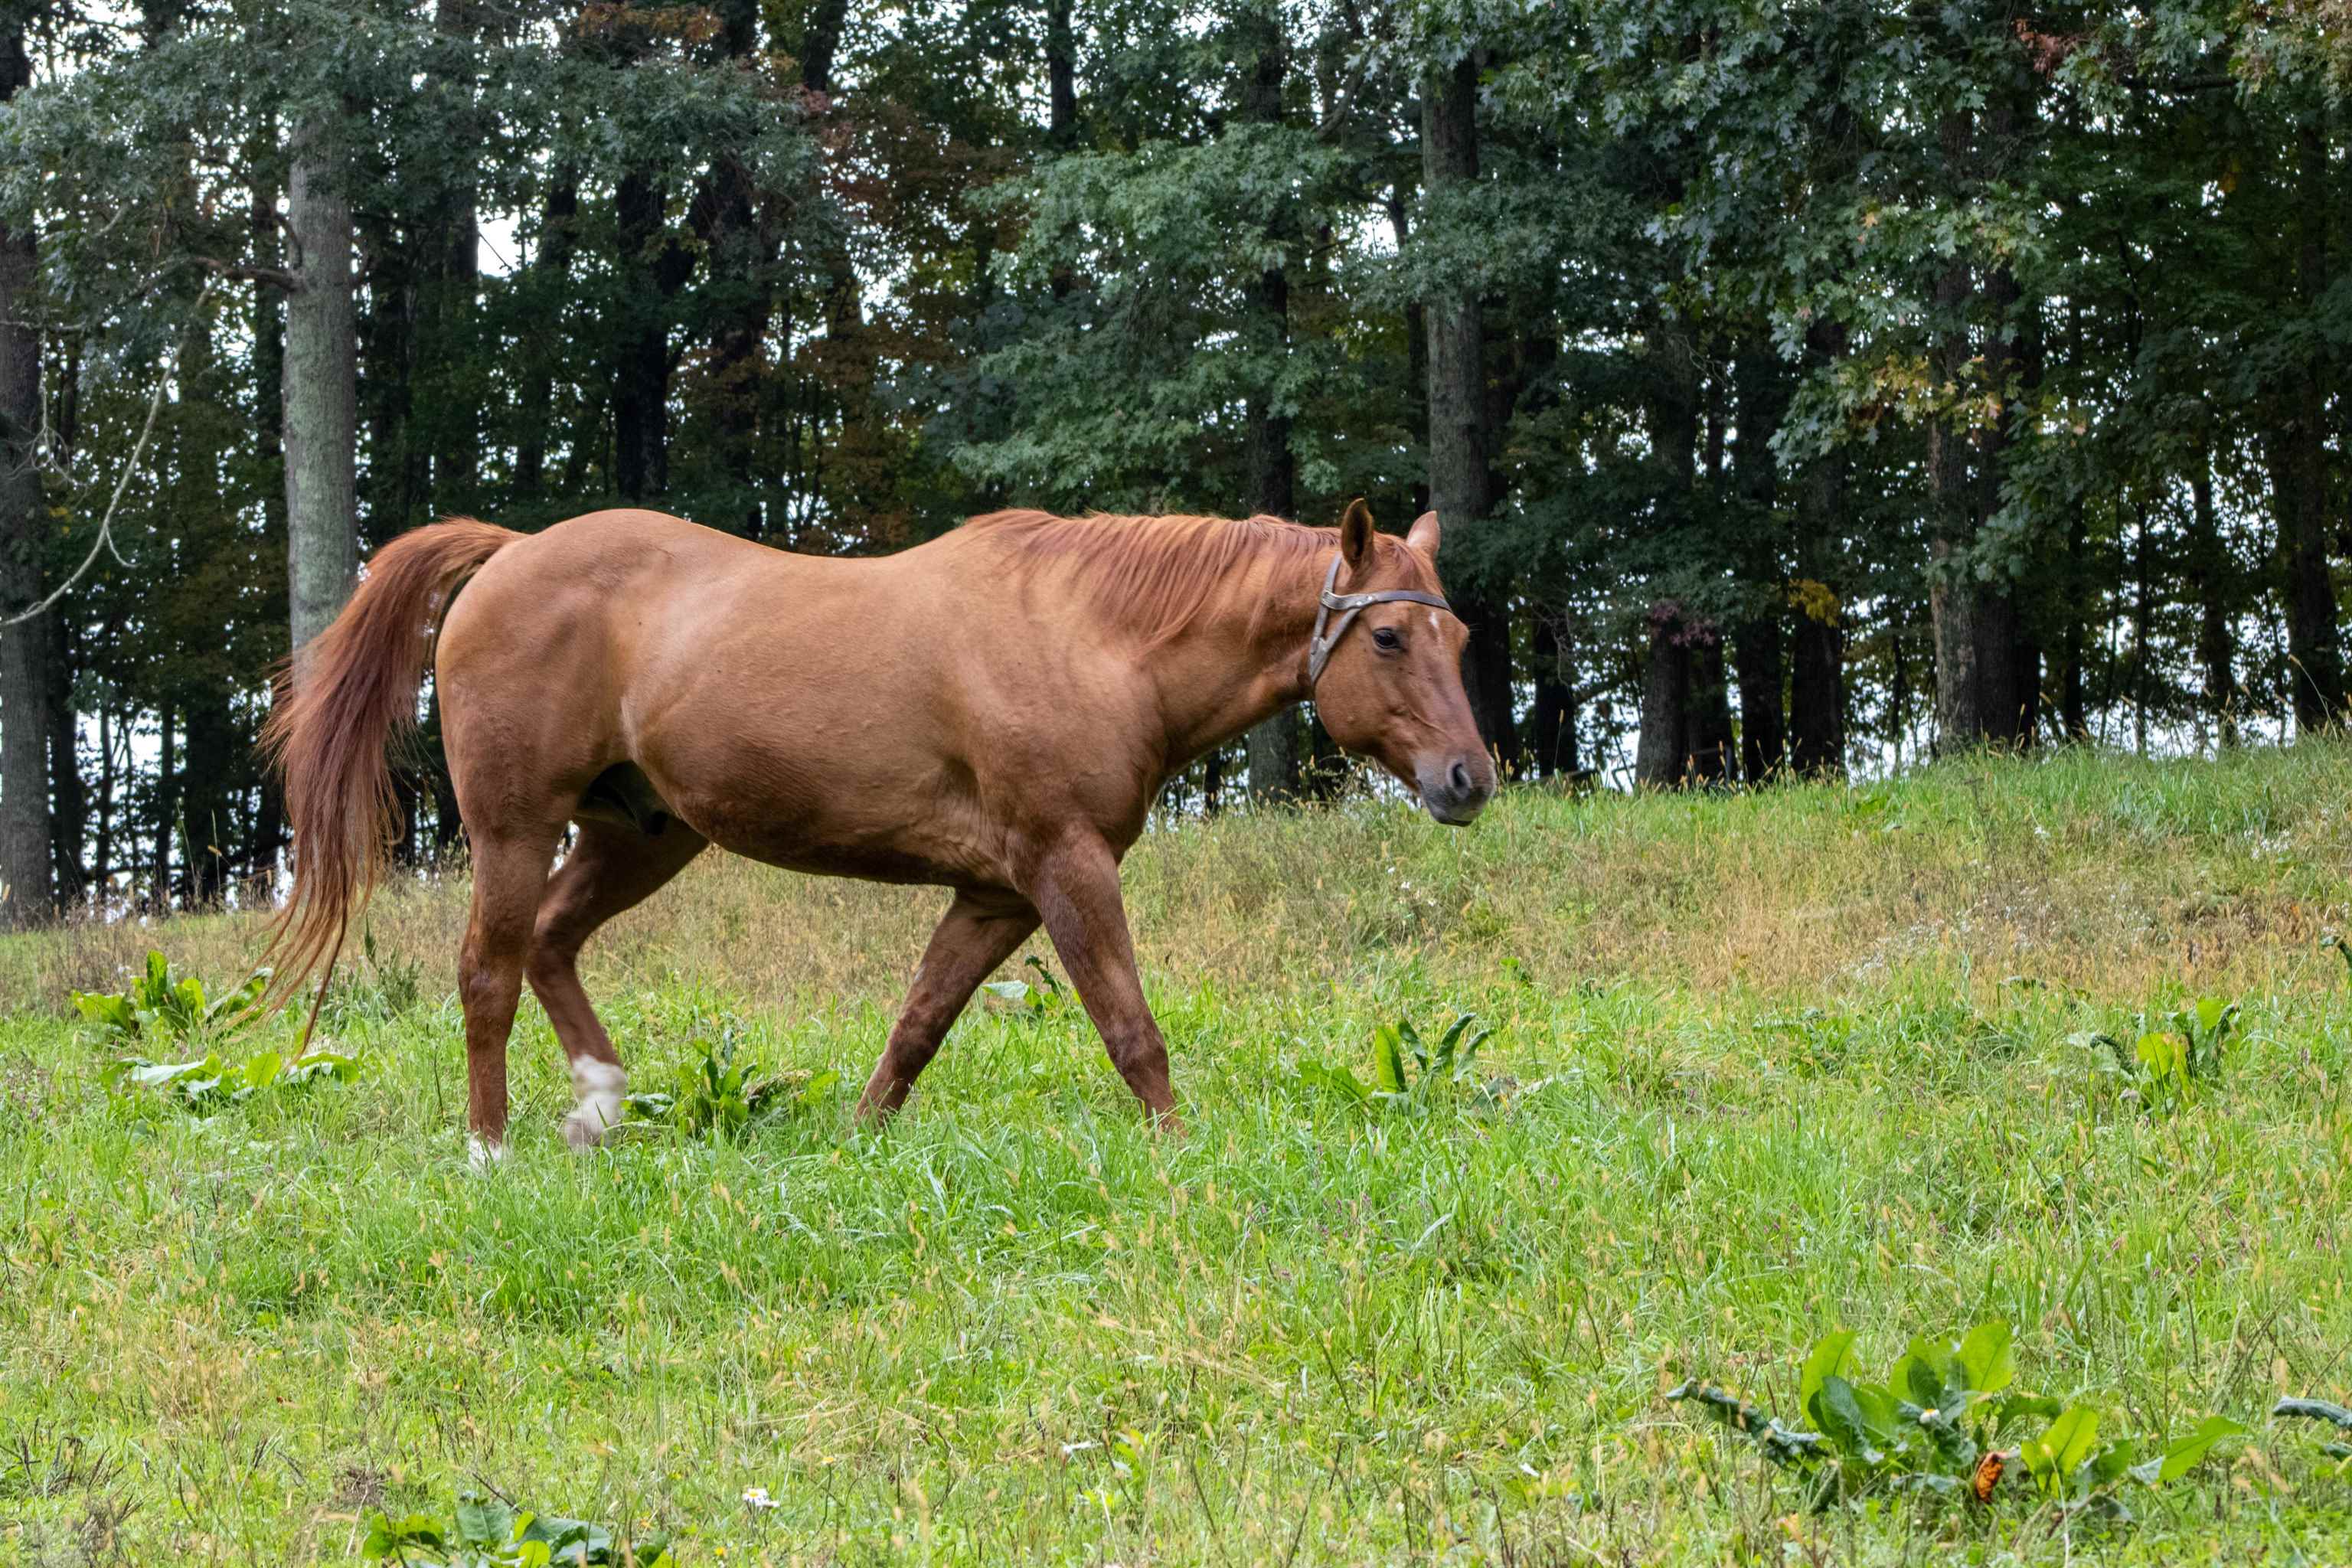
point(1423, 536)
point(1355, 533)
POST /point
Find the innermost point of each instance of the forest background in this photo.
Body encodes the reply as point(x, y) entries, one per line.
point(1806, 388)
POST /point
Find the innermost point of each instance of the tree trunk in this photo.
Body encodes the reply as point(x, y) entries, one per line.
point(268, 834)
point(2073, 707)
point(1952, 598)
point(26, 892)
point(1554, 719)
point(395, 487)
point(820, 41)
point(1460, 446)
point(1660, 750)
point(321, 393)
point(2216, 643)
point(1416, 340)
point(268, 326)
point(2004, 686)
point(2036, 613)
point(101, 860)
point(1275, 745)
point(1711, 748)
point(1758, 649)
point(1817, 672)
point(551, 273)
point(1673, 395)
point(1061, 78)
point(68, 821)
point(740, 294)
point(2007, 658)
point(1714, 750)
point(846, 359)
point(269, 363)
point(167, 811)
point(2143, 626)
point(657, 266)
point(207, 813)
point(456, 420)
point(2298, 455)
point(1817, 698)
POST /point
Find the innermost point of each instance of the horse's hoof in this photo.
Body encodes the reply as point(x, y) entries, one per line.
point(600, 1087)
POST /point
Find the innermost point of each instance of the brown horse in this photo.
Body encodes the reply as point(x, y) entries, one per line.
point(992, 712)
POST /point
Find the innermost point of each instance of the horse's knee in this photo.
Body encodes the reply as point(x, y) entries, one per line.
point(478, 983)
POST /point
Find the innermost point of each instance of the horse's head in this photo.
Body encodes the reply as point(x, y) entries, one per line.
point(1387, 670)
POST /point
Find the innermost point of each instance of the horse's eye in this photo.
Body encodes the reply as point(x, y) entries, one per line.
point(1386, 640)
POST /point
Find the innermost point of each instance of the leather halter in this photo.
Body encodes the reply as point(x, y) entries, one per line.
point(1318, 648)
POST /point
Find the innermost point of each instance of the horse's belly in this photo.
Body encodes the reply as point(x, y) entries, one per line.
point(849, 834)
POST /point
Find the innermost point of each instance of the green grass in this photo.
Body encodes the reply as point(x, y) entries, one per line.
point(1786, 1062)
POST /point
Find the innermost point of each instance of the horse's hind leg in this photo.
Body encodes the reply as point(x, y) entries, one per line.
point(510, 870)
point(609, 869)
point(977, 935)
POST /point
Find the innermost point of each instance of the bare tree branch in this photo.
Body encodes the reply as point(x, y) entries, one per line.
point(277, 277)
point(105, 540)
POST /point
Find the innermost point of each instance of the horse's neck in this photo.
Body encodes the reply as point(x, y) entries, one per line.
point(1241, 662)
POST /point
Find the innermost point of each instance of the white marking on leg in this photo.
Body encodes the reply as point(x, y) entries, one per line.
point(600, 1086)
point(483, 1155)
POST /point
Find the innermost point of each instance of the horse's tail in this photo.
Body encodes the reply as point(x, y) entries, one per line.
point(331, 721)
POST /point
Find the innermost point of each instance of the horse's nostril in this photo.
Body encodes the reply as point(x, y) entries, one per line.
point(1459, 777)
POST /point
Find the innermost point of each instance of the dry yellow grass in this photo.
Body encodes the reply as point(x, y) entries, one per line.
point(2100, 873)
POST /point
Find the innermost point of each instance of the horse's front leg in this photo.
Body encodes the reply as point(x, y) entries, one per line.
point(976, 934)
point(1076, 889)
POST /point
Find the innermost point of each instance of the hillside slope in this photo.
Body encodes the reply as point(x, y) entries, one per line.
point(1762, 1066)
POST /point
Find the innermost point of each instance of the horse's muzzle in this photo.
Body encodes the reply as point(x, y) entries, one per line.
point(1455, 789)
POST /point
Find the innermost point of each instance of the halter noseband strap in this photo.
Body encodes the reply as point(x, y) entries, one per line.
point(1318, 648)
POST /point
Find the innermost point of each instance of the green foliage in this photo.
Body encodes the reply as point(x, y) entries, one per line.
point(1198, 279)
point(1033, 1001)
point(2334, 1414)
point(720, 1097)
point(2170, 1055)
point(1933, 1428)
point(1412, 1077)
point(177, 1010)
point(399, 981)
point(488, 1532)
point(381, 985)
point(210, 1083)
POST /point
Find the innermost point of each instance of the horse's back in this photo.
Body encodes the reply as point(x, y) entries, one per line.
point(777, 702)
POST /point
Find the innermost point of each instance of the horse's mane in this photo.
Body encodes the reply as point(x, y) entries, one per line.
point(1152, 574)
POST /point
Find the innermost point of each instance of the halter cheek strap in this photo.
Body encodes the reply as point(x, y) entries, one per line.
point(1318, 648)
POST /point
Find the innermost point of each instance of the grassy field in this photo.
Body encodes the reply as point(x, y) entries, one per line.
point(1779, 1064)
